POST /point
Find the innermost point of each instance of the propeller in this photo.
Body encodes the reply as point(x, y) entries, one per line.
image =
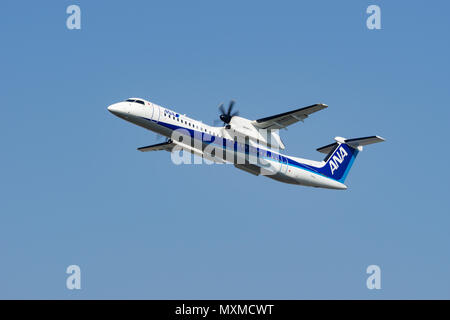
point(226, 116)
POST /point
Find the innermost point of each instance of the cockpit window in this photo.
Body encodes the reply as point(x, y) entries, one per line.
point(135, 100)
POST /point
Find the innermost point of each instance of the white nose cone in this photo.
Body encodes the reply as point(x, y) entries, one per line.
point(119, 109)
point(114, 108)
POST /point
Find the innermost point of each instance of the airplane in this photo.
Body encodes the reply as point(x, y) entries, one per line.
point(251, 145)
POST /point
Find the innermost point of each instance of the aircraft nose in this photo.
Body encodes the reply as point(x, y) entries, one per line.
point(118, 109)
point(114, 108)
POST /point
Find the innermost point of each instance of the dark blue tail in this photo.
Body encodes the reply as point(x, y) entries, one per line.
point(339, 161)
point(341, 154)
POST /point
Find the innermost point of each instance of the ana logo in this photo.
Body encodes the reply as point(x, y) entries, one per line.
point(337, 159)
point(168, 112)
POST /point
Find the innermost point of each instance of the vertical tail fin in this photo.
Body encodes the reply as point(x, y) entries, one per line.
point(342, 154)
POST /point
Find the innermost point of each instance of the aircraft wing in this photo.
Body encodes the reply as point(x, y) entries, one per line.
point(250, 168)
point(157, 147)
point(283, 120)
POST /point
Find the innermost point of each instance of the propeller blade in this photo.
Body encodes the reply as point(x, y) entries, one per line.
point(221, 109)
point(225, 116)
point(230, 107)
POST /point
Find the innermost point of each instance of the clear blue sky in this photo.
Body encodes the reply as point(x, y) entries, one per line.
point(74, 190)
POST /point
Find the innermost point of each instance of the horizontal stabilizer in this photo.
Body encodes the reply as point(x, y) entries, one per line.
point(359, 142)
point(354, 143)
point(157, 147)
point(326, 149)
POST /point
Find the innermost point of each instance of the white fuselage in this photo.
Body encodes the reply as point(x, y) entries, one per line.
point(165, 121)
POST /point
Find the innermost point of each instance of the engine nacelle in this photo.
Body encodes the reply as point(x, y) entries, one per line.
point(241, 127)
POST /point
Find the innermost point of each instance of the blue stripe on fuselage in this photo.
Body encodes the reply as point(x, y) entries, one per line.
point(278, 159)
